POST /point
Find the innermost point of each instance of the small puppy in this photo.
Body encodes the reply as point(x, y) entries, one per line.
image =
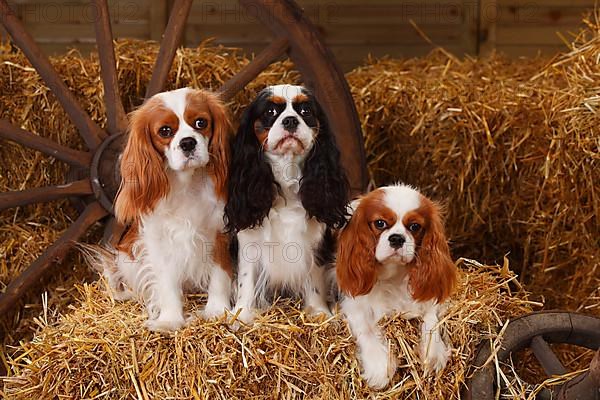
point(393, 257)
point(287, 190)
point(173, 192)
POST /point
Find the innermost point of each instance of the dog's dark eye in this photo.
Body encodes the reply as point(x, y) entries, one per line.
point(200, 123)
point(414, 227)
point(380, 224)
point(165, 131)
point(271, 111)
point(305, 110)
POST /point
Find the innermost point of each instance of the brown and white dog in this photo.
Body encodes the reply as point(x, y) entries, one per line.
point(393, 257)
point(173, 192)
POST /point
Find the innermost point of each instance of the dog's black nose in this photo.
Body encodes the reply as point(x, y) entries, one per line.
point(396, 241)
point(187, 144)
point(290, 123)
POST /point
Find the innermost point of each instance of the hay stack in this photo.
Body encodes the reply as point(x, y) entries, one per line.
point(511, 146)
point(101, 348)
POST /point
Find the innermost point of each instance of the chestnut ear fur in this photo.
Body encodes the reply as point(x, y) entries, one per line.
point(220, 143)
point(144, 180)
point(356, 266)
point(434, 275)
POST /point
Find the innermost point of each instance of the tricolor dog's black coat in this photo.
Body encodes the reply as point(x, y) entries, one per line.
point(287, 190)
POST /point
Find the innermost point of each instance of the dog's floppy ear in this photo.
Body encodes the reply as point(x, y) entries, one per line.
point(251, 184)
point(356, 266)
point(433, 275)
point(324, 187)
point(144, 180)
point(220, 143)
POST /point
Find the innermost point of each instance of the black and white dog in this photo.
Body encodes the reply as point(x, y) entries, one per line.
point(287, 191)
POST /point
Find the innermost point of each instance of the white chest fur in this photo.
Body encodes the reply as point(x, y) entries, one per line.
point(182, 229)
point(392, 294)
point(284, 244)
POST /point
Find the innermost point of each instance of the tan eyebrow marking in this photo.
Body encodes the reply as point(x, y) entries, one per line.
point(277, 99)
point(300, 98)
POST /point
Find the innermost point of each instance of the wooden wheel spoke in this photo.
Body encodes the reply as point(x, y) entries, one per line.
point(168, 46)
point(265, 58)
point(53, 254)
point(544, 354)
point(89, 131)
point(115, 113)
point(44, 194)
point(46, 146)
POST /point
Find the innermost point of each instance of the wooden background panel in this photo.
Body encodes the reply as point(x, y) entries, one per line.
point(59, 25)
point(352, 28)
point(525, 27)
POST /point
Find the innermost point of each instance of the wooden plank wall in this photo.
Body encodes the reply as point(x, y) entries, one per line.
point(63, 24)
point(527, 27)
point(352, 28)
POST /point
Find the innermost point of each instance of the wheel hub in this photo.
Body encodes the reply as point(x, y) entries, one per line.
point(105, 175)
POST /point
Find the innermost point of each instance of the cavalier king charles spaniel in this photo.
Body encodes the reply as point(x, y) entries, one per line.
point(172, 196)
point(287, 191)
point(393, 256)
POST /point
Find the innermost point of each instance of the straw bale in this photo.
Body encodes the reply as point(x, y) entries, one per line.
point(101, 349)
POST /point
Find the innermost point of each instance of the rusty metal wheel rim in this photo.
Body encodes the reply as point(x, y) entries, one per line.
point(294, 35)
point(533, 330)
point(104, 171)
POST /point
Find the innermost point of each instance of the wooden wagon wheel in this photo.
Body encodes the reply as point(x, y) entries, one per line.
point(293, 34)
point(535, 331)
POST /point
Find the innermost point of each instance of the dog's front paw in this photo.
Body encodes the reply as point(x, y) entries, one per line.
point(318, 311)
point(121, 295)
point(165, 325)
point(244, 316)
point(117, 289)
point(214, 311)
point(166, 321)
point(434, 355)
point(378, 367)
